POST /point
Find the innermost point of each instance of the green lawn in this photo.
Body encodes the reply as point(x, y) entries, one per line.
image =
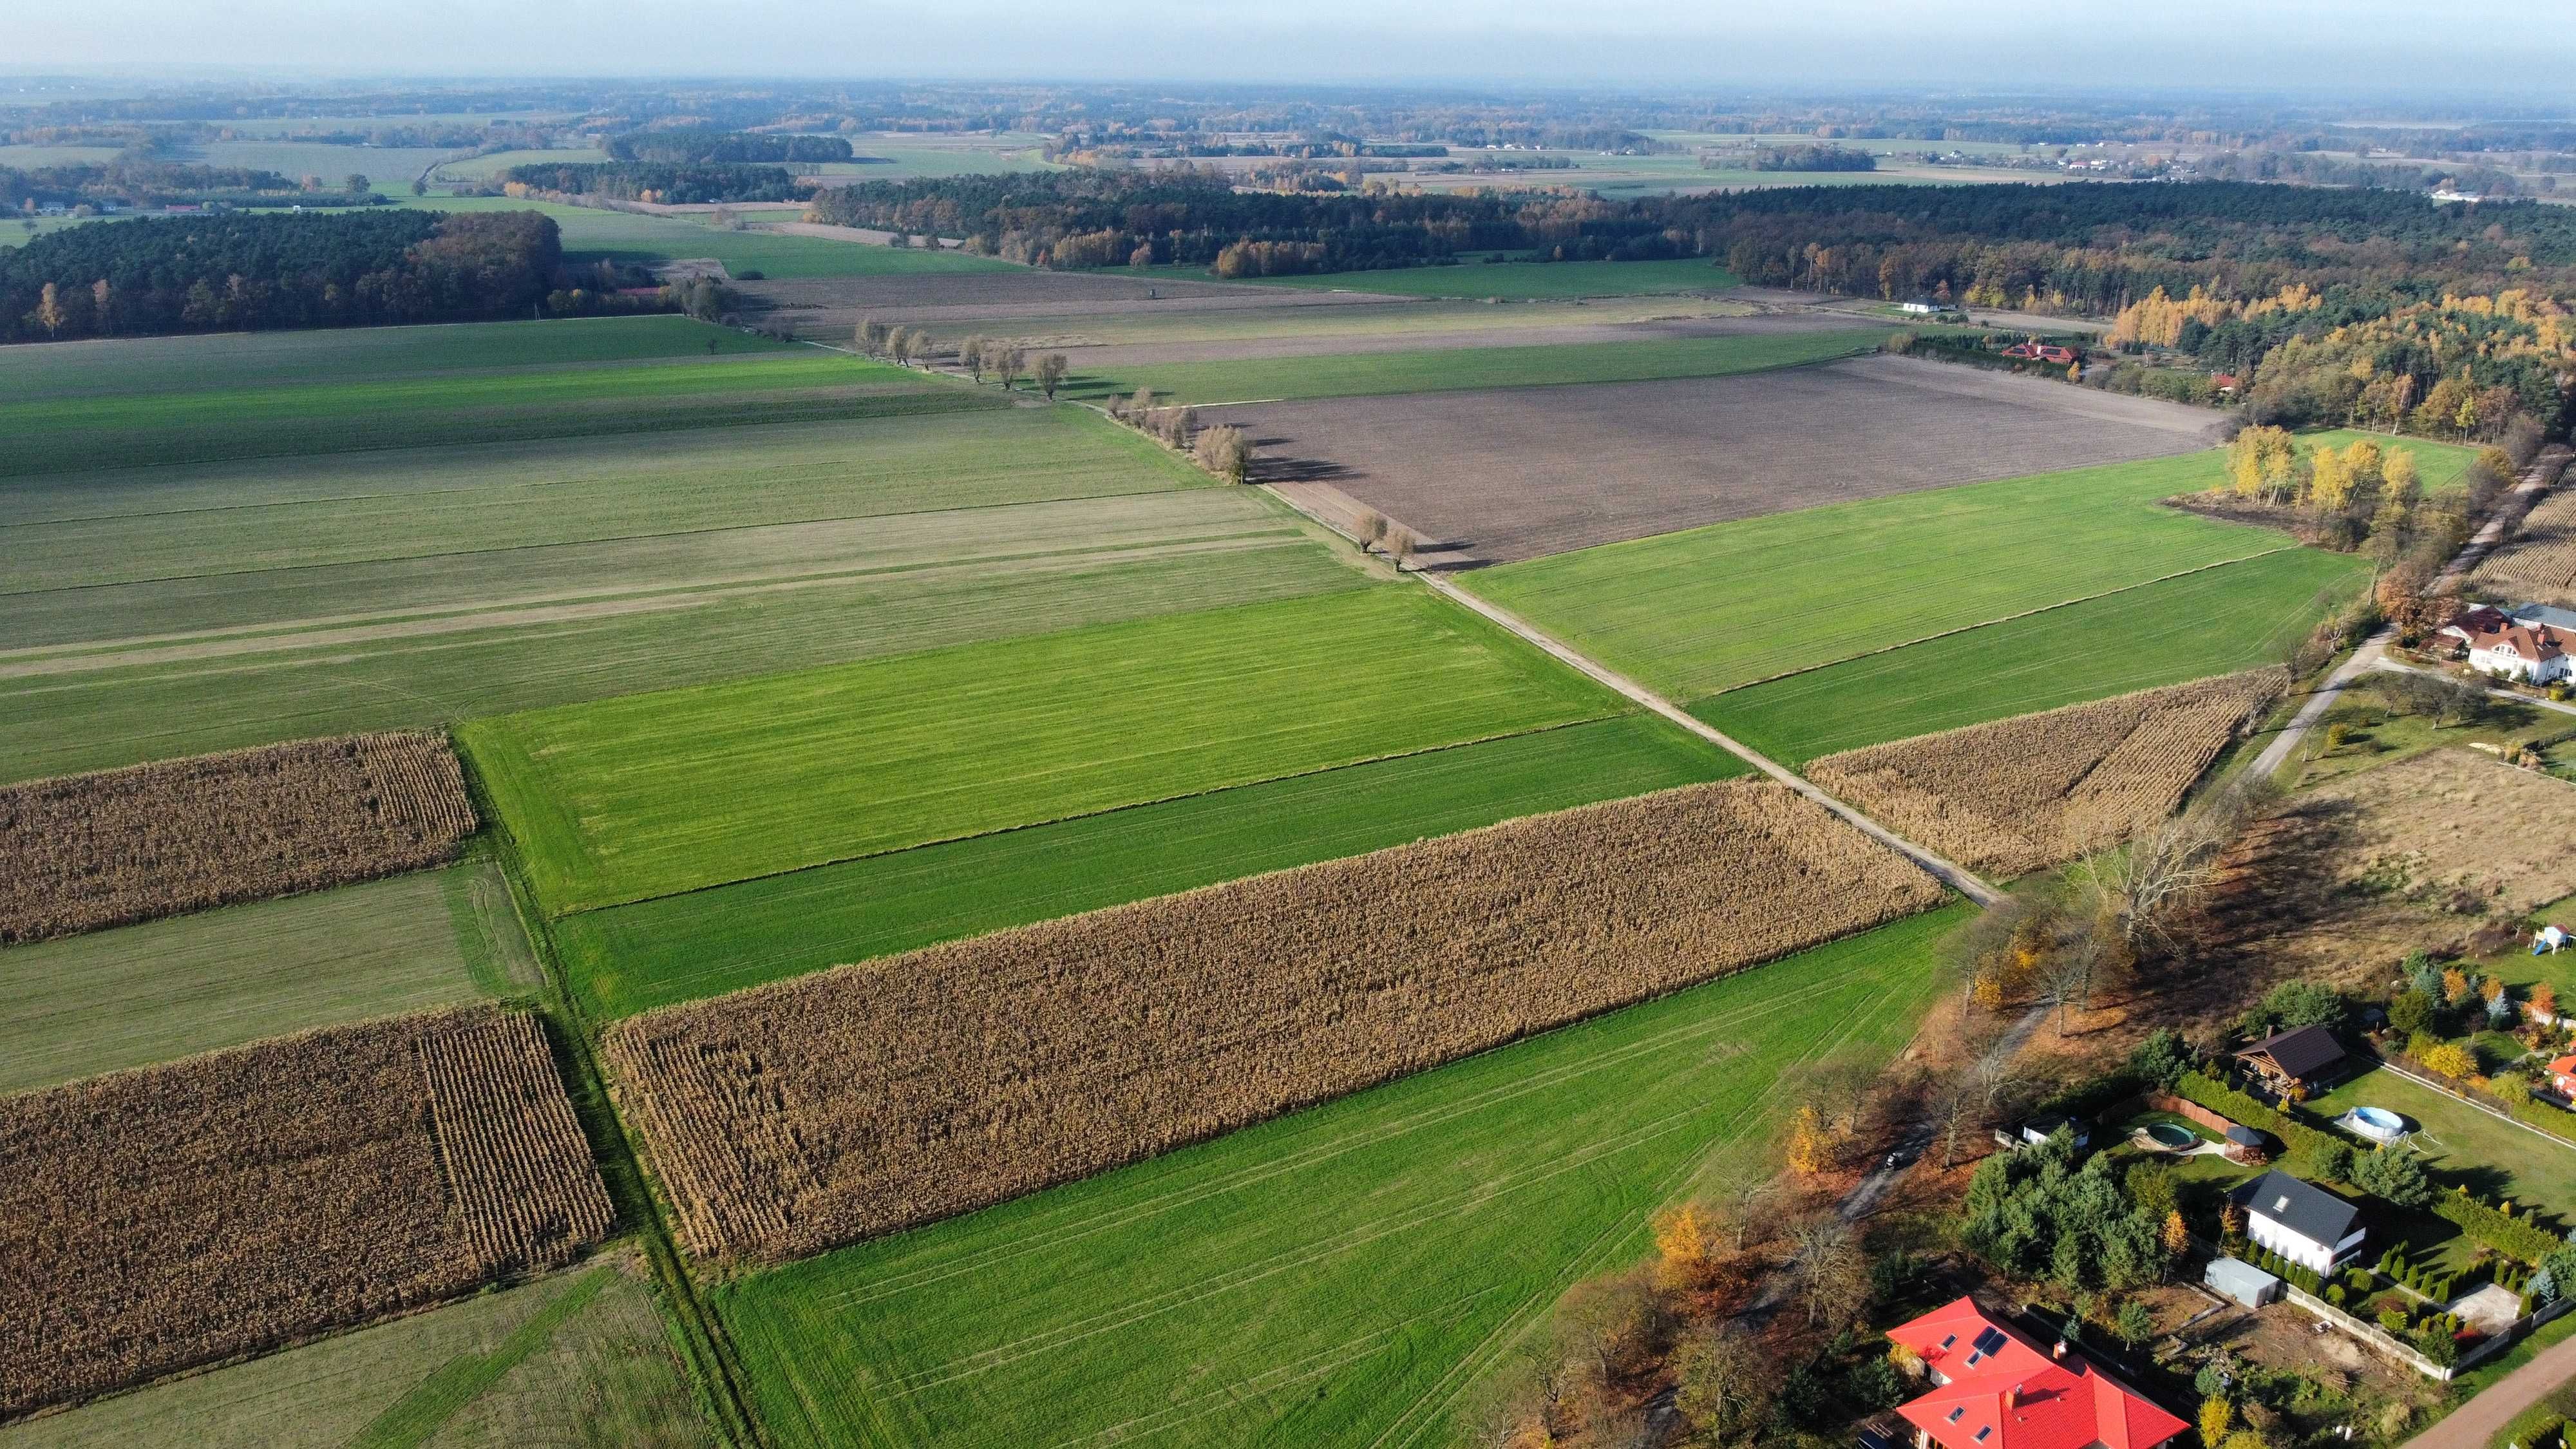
point(1450, 369)
point(1510, 281)
point(1345, 1275)
point(590, 235)
point(579, 1358)
point(172, 988)
point(643, 796)
point(2497, 1157)
point(126, 365)
point(53, 435)
point(654, 953)
point(1710, 608)
point(2235, 616)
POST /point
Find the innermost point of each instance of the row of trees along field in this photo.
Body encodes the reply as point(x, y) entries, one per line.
point(2376, 308)
point(251, 272)
point(1188, 215)
point(654, 181)
point(160, 183)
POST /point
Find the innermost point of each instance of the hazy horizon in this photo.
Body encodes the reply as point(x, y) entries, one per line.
point(2515, 50)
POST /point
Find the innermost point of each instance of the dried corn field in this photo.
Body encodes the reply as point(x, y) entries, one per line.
point(2018, 794)
point(2540, 563)
point(127, 845)
point(157, 1219)
point(790, 1118)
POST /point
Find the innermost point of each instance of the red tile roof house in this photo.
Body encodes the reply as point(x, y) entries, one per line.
point(2562, 1075)
point(2521, 651)
point(1995, 1389)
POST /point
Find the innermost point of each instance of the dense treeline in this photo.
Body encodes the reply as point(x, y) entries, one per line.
point(1813, 158)
point(657, 182)
point(252, 272)
point(161, 183)
point(1184, 215)
point(708, 148)
point(2379, 308)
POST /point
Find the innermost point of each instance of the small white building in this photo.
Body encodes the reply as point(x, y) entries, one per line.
point(2532, 653)
point(2300, 1221)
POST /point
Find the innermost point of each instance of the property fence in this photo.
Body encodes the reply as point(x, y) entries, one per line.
point(2374, 1336)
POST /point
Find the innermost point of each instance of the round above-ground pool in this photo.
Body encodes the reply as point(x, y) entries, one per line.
point(2171, 1137)
point(2376, 1123)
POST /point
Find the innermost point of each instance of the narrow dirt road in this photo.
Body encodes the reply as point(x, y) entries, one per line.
point(2484, 1417)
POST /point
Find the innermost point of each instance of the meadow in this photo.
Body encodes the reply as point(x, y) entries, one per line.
point(2219, 620)
point(1361, 374)
point(646, 795)
point(1508, 281)
point(653, 953)
point(114, 367)
point(590, 234)
point(210, 424)
point(173, 988)
point(581, 1357)
point(1347, 1274)
point(1713, 608)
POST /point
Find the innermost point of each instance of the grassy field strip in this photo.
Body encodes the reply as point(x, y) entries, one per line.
point(432, 1402)
point(1710, 609)
point(770, 472)
point(1364, 318)
point(118, 716)
point(1426, 1216)
point(124, 366)
point(702, 943)
point(590, 234)
point(611, 800)
point(209, 606)
point(1511, 281)
point(137, 995)
point(2211, 622)
point(1448, 369)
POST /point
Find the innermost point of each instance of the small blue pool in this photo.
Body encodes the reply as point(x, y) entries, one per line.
point(2171, 1137)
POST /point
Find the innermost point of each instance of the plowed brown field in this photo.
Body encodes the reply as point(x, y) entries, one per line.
point(787, 1119)
point(157, 1219)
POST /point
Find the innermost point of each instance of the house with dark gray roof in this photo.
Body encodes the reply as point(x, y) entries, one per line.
point(2300, 1221)
point(2305, 1057)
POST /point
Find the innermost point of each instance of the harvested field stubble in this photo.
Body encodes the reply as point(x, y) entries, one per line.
point(180, 835)
point(787, 1119)
point(2026, 792)
point(2540, 562)
point(157, 1219)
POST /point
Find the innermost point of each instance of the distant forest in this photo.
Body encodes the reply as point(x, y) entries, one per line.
point(710, 148)
point(669, 184)
point(257, 271)
point(161, 183)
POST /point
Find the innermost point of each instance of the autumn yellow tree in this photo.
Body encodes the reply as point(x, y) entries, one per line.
point(2455, 985)
point(49, 311)
point(2176, 1234)
point(2452, 1060)
point(2217, 1416)
point(1682, 1238)
point(2330, 481)
point(1809, 1153)
point(2263, 463)
point(2543, 1004)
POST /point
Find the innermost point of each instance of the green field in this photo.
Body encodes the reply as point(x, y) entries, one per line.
point(131, 365)
point(167, 989)
point(2507, 1160)
point(678, 948)
point(1707, 609)
point(647, 795)
point(211, 424)
point(2235, 616)
point(581, 1358)
point(1510, 281)
point(1364, 374)
point(1344, 1275)
point(620, 236)
point(901, 158)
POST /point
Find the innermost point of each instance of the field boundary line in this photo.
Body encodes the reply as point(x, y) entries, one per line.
point(1300, 1159)
point(2001, 619)
point(1878, 334)
point(1082, 814)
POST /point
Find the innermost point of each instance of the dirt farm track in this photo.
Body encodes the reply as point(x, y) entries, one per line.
point(1513, 473)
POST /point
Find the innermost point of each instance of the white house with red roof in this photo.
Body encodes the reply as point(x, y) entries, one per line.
point(1992, 1388)
point(2534, 653)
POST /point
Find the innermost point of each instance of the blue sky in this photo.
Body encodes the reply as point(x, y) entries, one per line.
point(2348, 46)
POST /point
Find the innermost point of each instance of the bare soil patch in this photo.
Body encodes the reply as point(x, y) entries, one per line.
point(1561, 327)
point(105, 849)
point(158, 1219)
point(2018, 794)
point(787, 1119)
point(1508, 474)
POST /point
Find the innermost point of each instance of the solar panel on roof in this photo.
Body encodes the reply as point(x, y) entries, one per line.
point(1990, 1340)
